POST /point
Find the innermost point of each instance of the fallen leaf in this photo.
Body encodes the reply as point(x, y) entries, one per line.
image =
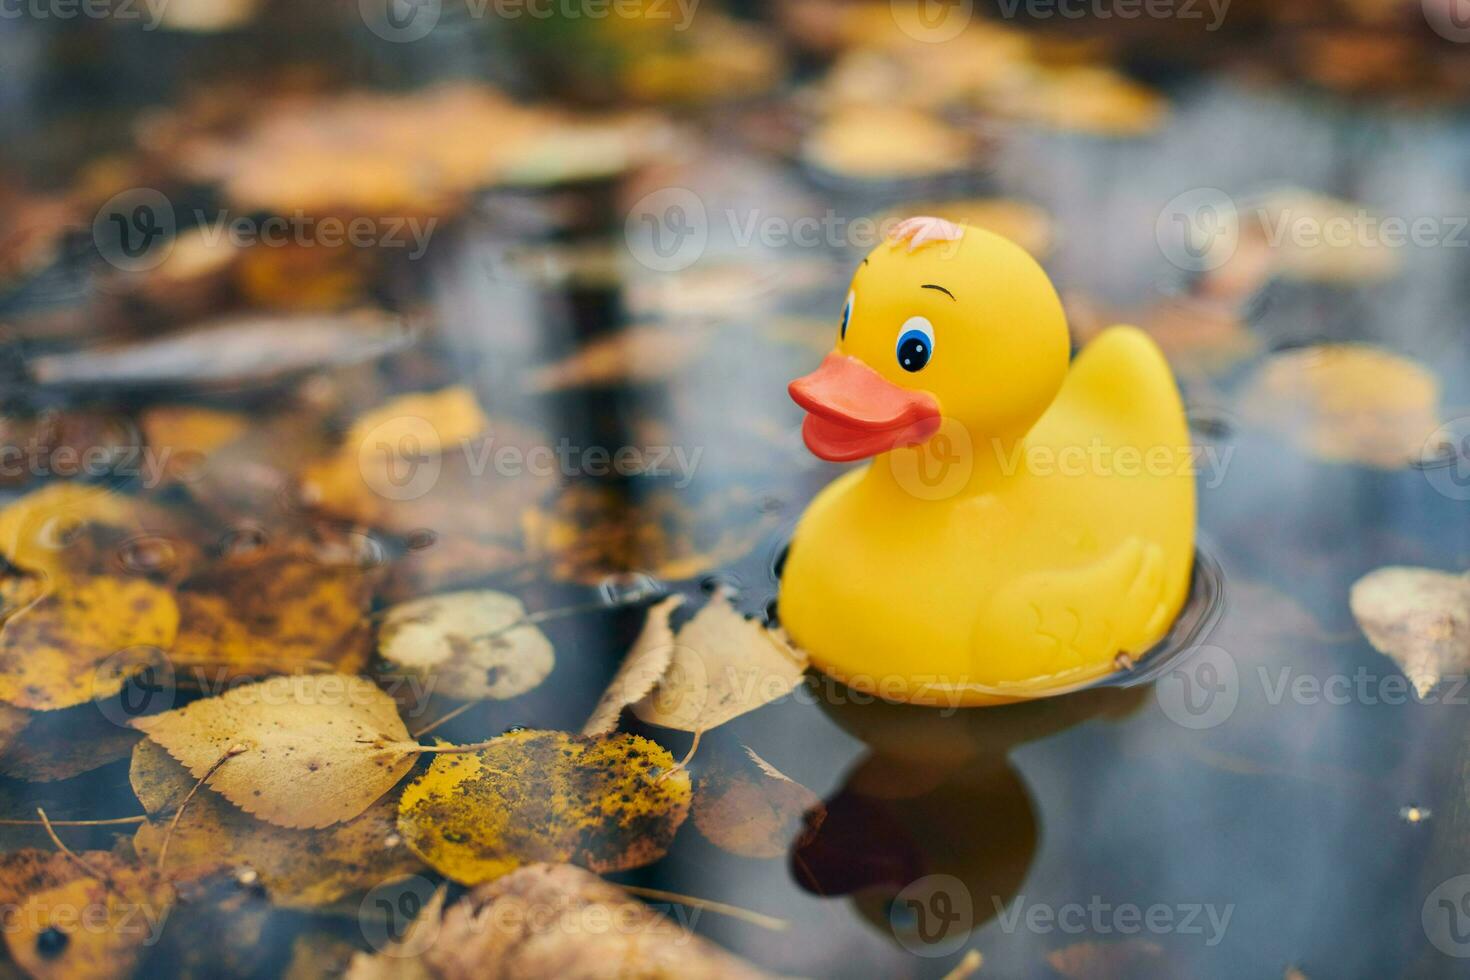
point(641, 669)
point(466, 643)
point(37, 528)
point(304, 275)
point(57, 745)
point(59, 651)
point(86, 927)
point(188, 434)
point(502, 931)
point(882, 142)
point(1130, 959)
point(723, 666)
point(753, 809)
point(316, 746)
point(299, 868)
point(1348, 403)
point(590, 532)
point(631, 356)
point(1199, 336)
point(528, 796)
point(275, 609)
point(1419, 617)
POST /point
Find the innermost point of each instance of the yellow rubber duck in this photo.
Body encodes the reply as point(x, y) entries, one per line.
point(1023, 522)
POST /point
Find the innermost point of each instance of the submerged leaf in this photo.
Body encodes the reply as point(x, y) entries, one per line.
point(468, 643)
point(315, 746)
point(606, 802)
point(754, 809)
point(1347, 403)
point(298, 868)
point(57, 745)
point(723, 666)
point(1418, 616)
point(502, 931)
point(57, 651)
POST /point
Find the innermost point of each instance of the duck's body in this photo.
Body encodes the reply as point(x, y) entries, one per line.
point(998, 556)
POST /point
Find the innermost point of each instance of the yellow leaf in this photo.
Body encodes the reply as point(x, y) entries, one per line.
point(273, 610)
point(1418, 616)
point(723, 666)
point(1347, 403)
point(640, 671)
point(467, 643)
point(299, 868)
point(89, 928)
point(754, 809)
point(51, 651)
point(317, 747)
point(541, 921)
point(545, 796)
point(35, 528)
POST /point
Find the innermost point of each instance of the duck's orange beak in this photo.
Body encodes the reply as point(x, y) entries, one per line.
point(854, 412)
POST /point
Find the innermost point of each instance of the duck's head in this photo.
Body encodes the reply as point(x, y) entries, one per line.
point(942, 322)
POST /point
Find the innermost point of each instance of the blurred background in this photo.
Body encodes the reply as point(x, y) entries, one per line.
point(232, 230)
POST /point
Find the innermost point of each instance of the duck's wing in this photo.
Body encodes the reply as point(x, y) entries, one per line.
point(1120, 391)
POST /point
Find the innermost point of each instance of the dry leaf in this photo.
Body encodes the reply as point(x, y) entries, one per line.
point(58, 651)
point(277, 608)
point(189, 434)
point(753, 809)
point(501, 931)
point(723, 666)
point(631, 356)
point(87, 928)
point(529, 796)
point(641, 669)
point(591, 532)
point(1130, 959)
point(1418, 616)
point(466, 643)
point(315, 746)
point(1347, 403)
point(298, 868)
point(885, 141)
point(1199, 336)
point(58, 745)
point(36, 529)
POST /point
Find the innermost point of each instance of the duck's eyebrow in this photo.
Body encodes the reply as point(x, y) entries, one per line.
point(930, 285)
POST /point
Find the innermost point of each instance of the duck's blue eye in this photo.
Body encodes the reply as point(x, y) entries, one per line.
point(915, 343)
point(846, 316)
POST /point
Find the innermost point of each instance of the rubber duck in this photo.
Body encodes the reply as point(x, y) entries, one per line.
point(1026, 521)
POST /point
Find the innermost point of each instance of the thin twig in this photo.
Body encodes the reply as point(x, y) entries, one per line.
point(719, 908)
point(445, 719)
point(168, 835)
point(51, 832)
point(112, 822)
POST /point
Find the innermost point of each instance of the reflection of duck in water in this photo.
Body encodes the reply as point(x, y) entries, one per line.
point(937, 796)
point(1069, 535)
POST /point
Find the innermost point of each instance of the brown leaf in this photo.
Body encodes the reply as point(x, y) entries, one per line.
point(1131, 959)
point(501, 931)
point(723, 666)
point(753, 809)
point(1418, 616)
point(298, 868)
point(314, 746)
point(633, 355)
point(58, 745)
point(641, 669)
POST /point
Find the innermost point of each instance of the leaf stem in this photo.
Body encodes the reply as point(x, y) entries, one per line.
point(719, 908)
point(111, 822)
point(168, 835)
point(60, 846)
